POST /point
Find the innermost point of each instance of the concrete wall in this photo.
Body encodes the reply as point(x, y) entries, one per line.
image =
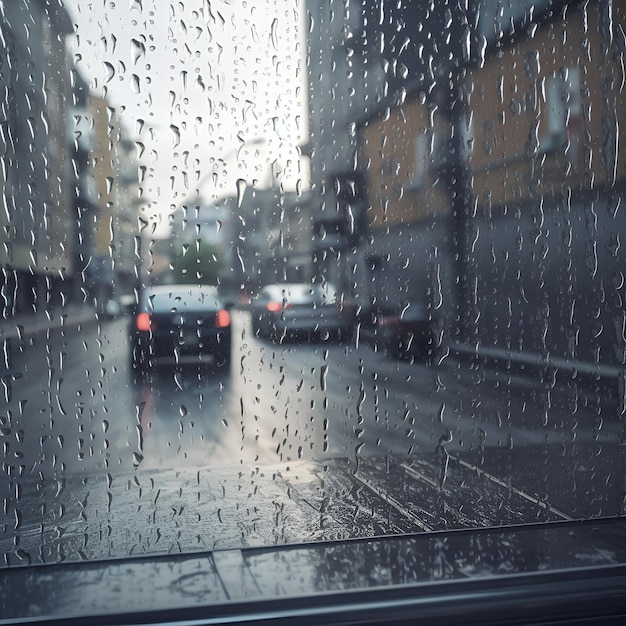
point(549, 279)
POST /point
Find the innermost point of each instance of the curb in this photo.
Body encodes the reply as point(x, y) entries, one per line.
point(29, 325)
point(533, 361)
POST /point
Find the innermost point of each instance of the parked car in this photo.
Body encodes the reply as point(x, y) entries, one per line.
point(405, 330)
point(301, 309)
point(180, 324)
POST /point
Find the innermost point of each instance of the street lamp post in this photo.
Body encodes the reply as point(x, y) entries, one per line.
point(449, 99)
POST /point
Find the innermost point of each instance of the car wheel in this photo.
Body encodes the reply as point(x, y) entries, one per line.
point(345, 335)
point(393, 345)
point(256, 326)
point(138, 363)
point(222, 359)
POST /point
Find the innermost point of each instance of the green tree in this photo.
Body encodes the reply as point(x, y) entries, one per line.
point(196, 263)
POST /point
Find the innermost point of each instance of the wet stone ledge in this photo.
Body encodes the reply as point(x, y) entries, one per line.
point(221, 582)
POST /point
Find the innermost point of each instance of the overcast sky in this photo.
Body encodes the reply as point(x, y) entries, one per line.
point(196, 81)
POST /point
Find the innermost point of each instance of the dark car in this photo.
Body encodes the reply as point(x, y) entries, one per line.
point(180, 324)
point(300, 309)
point(405, 330)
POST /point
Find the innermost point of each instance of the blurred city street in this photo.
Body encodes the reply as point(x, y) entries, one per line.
point(76, 411)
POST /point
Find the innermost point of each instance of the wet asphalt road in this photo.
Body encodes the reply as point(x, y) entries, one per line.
point(73, 408)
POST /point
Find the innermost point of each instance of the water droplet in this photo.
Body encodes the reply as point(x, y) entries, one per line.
point(440, 413)
point(241, 190)
point(137, 50)
point(175, 131)
point(110, 71)
point(274, 34)
point(323, 375)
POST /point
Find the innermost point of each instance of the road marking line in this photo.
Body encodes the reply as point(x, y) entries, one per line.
point(395, 504)
point(519, 492)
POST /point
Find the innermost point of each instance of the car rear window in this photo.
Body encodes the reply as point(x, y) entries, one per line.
point(296, 294)
point(163, 300)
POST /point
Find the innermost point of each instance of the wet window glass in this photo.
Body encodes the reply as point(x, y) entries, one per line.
point(307, 271)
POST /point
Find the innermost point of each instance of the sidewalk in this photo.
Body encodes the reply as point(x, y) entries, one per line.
point(30, 324)
point(530, 362)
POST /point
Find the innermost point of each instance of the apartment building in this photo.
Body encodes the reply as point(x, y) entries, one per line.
point(496, 193)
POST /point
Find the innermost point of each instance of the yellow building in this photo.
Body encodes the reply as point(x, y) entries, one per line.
point(547, 110)
point(398, 148)
point(536, 106)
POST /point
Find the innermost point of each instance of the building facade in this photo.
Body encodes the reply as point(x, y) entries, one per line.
point(106, 199)
point(501, 204)
point(546, 187)
point(362, 57)
point(36, 215)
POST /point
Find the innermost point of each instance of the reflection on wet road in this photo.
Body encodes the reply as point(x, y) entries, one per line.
point(300, 401)
point(404, 447)
point(75, 407)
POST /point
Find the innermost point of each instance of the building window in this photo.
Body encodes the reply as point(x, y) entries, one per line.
point(564, 111)
point(423, 155)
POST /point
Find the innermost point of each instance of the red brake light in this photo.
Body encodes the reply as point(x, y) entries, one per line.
point(144, 322)
point(223, 318)
point(277, 306)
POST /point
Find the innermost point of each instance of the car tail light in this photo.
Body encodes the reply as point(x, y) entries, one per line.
point(223, 318)
point(274, 306)
point(145, 323)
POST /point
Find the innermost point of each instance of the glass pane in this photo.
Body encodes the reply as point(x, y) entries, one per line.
point(304, 272)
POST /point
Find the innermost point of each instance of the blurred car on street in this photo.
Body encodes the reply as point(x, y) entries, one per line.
point(180, 324)
point(300, 309)
point(405, 330)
